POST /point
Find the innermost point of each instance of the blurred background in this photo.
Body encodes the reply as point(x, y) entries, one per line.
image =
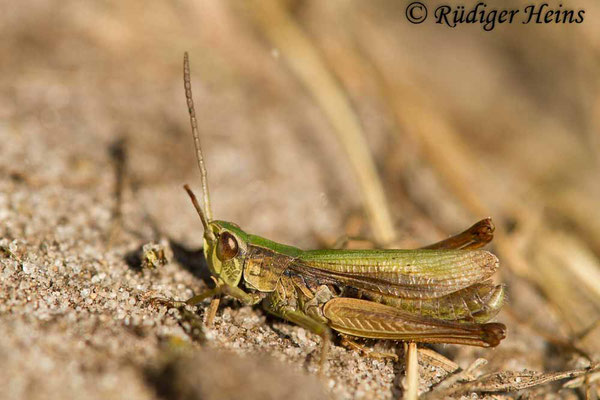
point(317, 119)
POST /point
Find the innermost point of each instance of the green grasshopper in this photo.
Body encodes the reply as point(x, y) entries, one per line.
point(438, 294)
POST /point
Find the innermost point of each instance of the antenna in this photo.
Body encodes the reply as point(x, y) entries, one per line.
point(187, 84)
point(197, 207)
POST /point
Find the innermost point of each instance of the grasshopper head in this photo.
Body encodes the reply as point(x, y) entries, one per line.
point(225, 246)
point(225, 250)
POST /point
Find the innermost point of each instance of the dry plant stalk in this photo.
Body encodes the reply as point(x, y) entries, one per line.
point(307, 65)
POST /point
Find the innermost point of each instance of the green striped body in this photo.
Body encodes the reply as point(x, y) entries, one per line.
point(419, 289)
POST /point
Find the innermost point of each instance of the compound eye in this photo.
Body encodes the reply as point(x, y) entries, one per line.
point(227, 247)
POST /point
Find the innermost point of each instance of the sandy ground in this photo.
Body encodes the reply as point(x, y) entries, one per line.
point(92, 93)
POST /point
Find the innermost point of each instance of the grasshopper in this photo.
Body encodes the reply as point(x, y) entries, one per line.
point(438, 294)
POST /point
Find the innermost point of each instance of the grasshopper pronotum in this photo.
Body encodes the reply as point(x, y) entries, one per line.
point(437, 294)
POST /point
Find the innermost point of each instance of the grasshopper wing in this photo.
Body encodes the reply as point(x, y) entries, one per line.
point(377, 321)
point(411, 274)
